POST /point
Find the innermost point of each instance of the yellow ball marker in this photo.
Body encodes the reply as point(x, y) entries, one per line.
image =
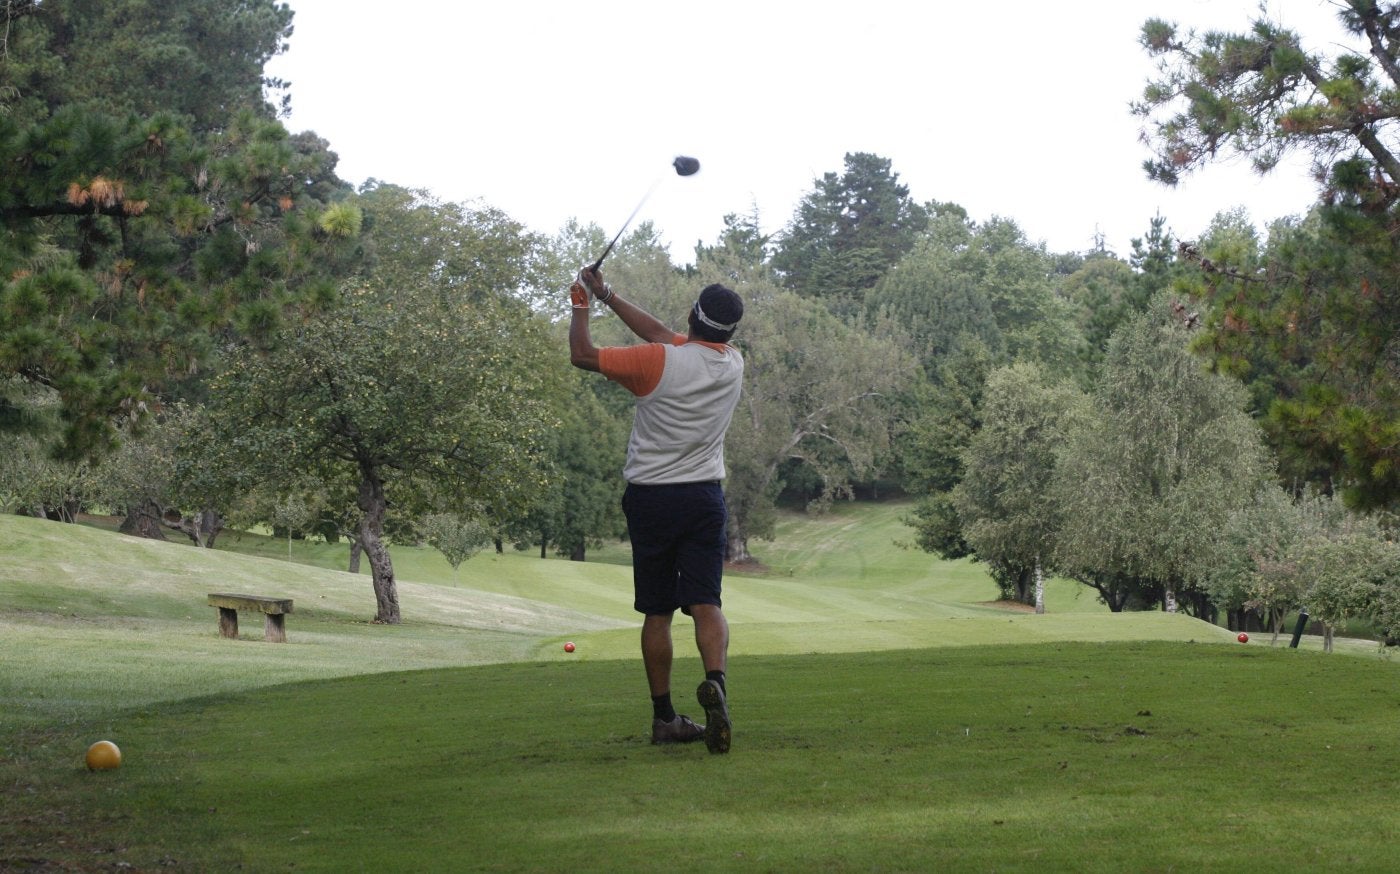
point(103, 756)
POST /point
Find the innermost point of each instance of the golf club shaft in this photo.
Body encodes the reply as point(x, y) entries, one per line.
point(625, 225)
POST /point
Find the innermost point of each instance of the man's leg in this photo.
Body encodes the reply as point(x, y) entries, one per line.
point(712, 638)
point(656, 653)
point(666, 725)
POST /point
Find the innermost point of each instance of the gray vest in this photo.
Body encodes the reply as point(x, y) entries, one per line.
point(678, 429)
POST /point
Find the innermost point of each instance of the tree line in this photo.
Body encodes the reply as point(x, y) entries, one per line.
point(202, 326)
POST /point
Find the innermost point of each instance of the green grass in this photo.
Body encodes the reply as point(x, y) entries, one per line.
point(1060, 757)
point(888, 717)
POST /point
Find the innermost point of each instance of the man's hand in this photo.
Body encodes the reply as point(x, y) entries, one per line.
point(593, 281)
point(578, 295)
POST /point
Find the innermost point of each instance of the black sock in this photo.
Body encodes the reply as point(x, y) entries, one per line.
point(718, 677)
point(661, 707)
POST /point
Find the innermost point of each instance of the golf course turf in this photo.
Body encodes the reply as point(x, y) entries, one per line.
point(886, 718)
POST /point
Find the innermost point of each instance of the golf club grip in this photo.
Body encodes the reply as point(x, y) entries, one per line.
point(599, 262)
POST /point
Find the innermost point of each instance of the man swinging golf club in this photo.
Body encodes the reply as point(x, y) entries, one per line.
point(687, 386)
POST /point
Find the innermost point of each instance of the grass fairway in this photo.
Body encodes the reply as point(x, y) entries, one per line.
point(887, 718)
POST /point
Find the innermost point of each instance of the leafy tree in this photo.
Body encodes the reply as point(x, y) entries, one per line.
point(942, 413)
point(938, 528)
point(1279, 555)
point(582, 505)
point(137, 480)
point(428, 397)
point(295, 512)
point(816, 391)
point(936, 295)
point(1004, 500)
point(968, 298)
point(31, 481)
point(1387, 603)
point(640, 261)
point(1347, 573)
point(941, 416)
point(1102, 290)
point(34, 483)
point(477, 252)
point(1245, 565)
point(457, 536)
point(964, 282)
point(742, 249)
point(1108, 291)
point(1164, 456)
point(848, 231)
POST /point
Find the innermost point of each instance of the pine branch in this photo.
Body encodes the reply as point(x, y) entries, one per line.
point(28, 211)
point(1379, 50)
point(1190, 252)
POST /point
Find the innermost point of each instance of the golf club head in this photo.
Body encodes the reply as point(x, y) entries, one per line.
point(685, 166)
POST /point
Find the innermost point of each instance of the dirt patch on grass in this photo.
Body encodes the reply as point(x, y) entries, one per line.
point(1009, 606)
point(750, 567)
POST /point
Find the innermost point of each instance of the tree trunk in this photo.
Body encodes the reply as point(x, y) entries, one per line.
point(355, 550)
point(736, 550)
point(208, 524)
point(579, 553)
point(544, 547)
point(500, 546)
point(1326, 637)
point(1114, 596)
point(1169, 599)
point(1039, 588)
point(202, 528)
point(373, 505)
point(736, 541)
point(1025, 592)
point(143, 520)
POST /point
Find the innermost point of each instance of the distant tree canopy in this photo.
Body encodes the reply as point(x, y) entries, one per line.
point(847, 232)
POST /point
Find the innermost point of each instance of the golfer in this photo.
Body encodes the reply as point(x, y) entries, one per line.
point(687, 386)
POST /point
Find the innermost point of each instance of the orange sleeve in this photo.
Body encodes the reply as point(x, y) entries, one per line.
point(635, 368)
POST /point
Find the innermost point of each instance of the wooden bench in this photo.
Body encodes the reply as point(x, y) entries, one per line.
point(274, 612)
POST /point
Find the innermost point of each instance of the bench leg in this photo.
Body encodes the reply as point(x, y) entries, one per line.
point(275, 628)
point(228, 623)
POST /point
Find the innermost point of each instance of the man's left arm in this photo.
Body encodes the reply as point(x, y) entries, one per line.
point(582, 353)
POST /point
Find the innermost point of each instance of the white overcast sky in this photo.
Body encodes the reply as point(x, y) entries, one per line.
point(559, 110)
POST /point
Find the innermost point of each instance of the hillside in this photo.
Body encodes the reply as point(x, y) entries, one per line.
point(81, 606)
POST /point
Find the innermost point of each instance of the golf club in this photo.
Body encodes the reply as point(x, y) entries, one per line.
point(684, 166)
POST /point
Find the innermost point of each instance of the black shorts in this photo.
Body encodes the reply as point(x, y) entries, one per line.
point(678, 543)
